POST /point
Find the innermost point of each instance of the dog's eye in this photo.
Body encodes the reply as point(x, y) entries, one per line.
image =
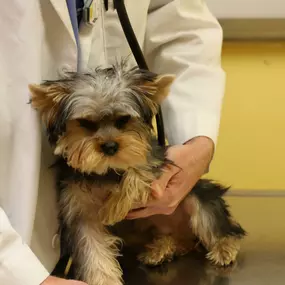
point(122, 121)
point(87, 124)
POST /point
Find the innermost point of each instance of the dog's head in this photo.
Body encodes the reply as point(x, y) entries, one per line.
point(102, 119)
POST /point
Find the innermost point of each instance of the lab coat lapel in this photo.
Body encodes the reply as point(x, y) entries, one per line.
point(61, 9)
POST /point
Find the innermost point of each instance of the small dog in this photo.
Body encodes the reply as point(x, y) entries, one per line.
point(100, 127)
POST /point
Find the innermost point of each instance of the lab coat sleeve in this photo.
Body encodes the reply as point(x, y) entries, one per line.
point(18, 264)
point(183, 38)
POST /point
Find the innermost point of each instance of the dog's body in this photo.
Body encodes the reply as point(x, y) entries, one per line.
point(100, 125)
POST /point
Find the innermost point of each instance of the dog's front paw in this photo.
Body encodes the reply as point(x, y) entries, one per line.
point(154, 258)
point(224, 252)
point(162, 249)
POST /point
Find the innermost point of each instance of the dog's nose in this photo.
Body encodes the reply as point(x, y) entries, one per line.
point(110, 147)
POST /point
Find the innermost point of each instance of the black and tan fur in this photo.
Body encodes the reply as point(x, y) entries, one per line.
point(100, 125)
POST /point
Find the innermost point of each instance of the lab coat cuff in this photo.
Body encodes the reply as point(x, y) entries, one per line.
point(205, 126)
point(23, 267)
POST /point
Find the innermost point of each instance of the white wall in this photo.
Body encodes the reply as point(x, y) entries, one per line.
point(250, 9)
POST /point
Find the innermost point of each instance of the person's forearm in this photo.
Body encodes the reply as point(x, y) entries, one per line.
point(191, 49)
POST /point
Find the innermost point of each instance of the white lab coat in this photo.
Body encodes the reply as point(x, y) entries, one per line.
point(37, 40)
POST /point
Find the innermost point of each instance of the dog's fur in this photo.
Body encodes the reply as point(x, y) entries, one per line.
point(100, 125)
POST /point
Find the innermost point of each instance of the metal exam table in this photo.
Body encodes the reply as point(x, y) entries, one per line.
point(261, 260)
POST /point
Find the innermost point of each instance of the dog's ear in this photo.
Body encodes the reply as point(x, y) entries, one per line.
point(163, 84)
point(48, 100)
point(158, 88)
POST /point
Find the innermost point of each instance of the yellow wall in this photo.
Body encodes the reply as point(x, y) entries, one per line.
point(251, 147)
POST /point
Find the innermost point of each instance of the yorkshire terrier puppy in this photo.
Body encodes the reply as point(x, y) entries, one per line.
point(100, 127)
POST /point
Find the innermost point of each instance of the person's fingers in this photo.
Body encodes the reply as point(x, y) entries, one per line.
point(157, 190)
point(135, 214)
point(168, 172)
point(158, 186)
point(150, 211)
point(168, 196)
point(137, 206)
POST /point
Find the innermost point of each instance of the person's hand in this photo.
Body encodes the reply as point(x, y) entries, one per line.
point(51, 280)
point(192, 160)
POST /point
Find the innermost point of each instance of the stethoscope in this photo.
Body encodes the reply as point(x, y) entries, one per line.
point(119, 6)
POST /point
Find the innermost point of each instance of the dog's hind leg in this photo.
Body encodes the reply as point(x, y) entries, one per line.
point(213, 224)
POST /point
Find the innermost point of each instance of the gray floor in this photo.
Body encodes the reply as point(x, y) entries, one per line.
point(261, 260)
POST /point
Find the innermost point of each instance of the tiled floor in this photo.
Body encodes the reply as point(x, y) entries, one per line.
point(261, 261)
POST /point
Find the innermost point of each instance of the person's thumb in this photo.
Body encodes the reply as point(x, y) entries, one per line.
point(158, 186)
